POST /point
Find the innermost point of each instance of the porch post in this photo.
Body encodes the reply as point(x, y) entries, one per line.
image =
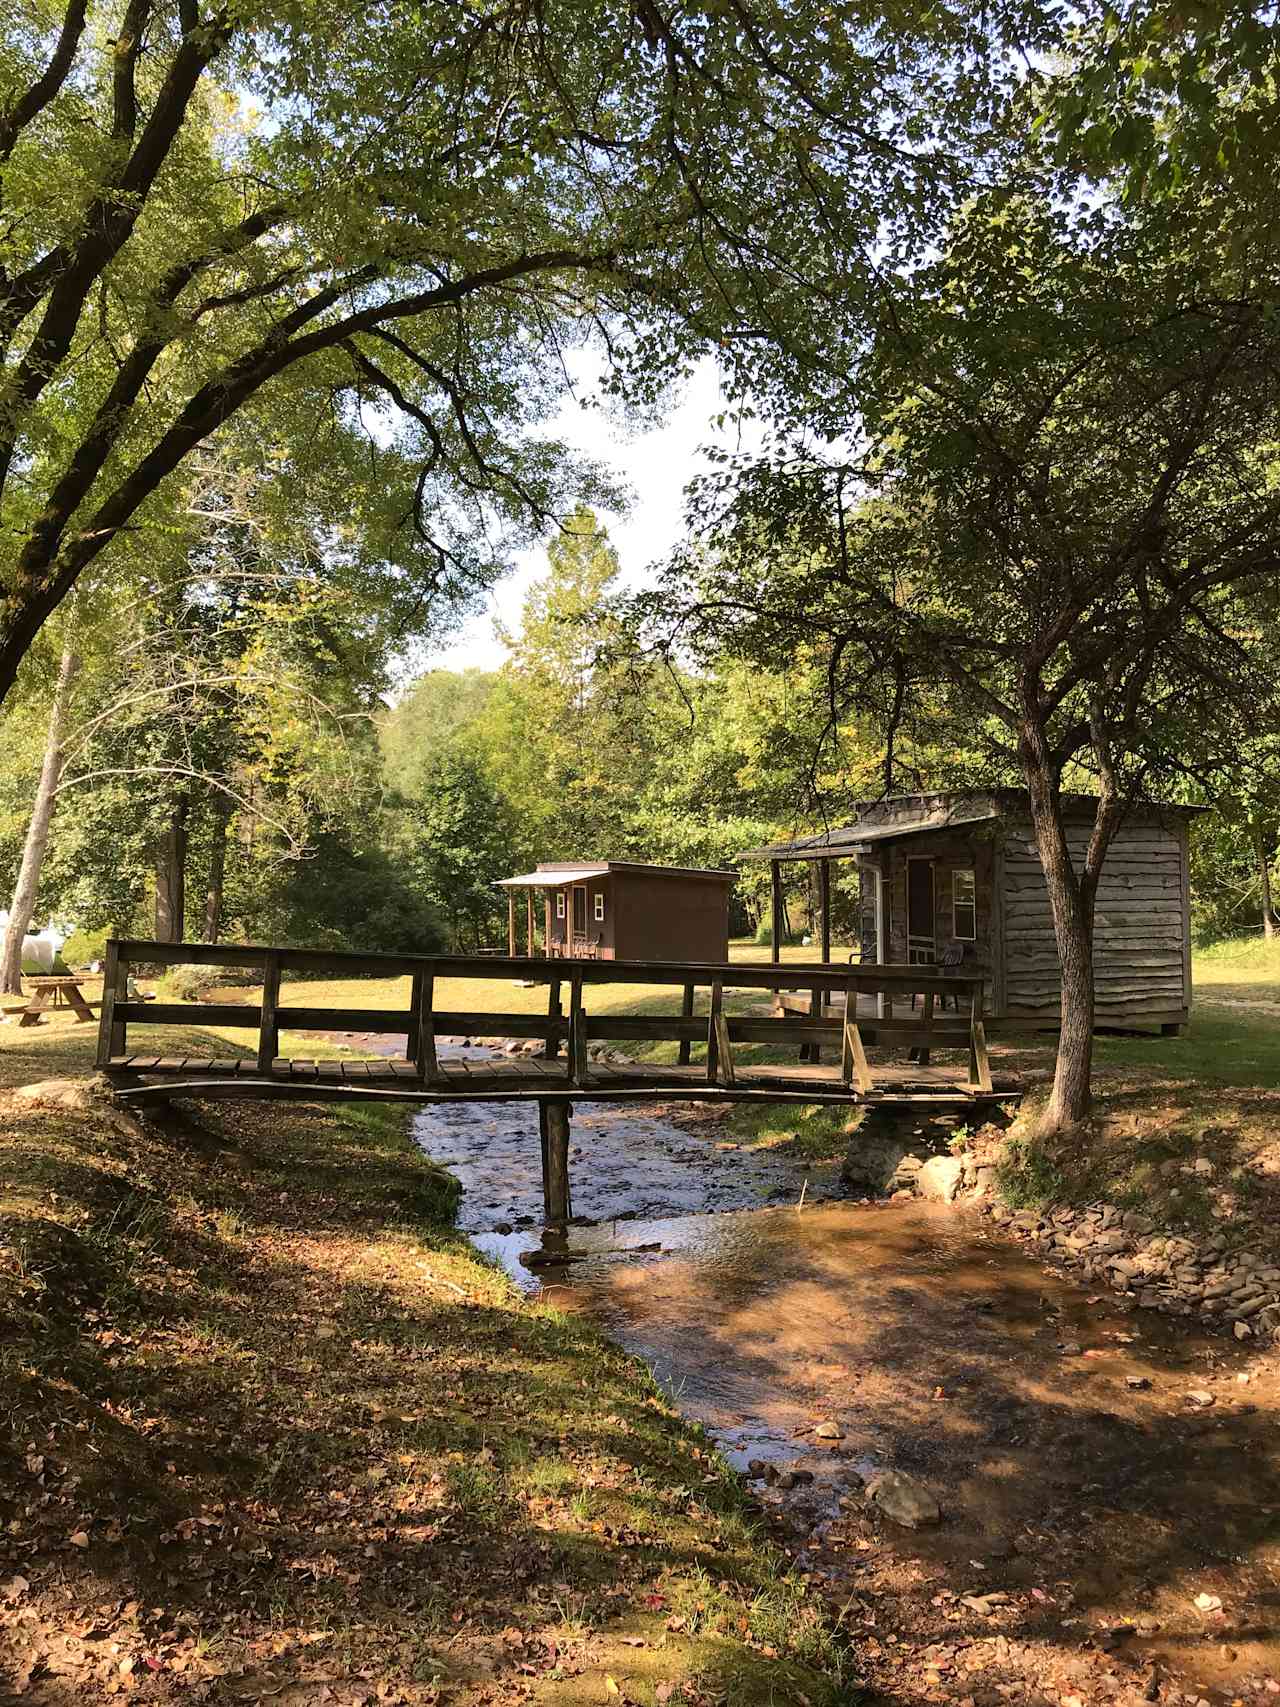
point(824, 902)
point(546, 925)
point(511, 923)
point(775, 881)
point(881, 934)
point(528, 894)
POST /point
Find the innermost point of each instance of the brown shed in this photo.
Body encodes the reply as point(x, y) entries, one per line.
point(615, 910)
point(958, 876)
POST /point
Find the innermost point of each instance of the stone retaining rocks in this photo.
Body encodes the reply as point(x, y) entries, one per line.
point(874, 1163)
point(1121, 1249)
point(940, 1178)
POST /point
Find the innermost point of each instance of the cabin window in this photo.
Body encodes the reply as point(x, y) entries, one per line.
point(964, 906)
point(600, 907)
point(560, 904)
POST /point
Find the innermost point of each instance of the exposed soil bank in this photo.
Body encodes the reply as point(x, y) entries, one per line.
point(1105, 1475)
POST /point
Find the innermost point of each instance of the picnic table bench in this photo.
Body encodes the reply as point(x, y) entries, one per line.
point(49, 992)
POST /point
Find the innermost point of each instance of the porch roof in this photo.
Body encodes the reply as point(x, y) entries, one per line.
point(861, 838)
point(553, 879)
point(556, 876)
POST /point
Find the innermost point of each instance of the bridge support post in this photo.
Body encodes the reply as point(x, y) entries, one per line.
point(553, 1131)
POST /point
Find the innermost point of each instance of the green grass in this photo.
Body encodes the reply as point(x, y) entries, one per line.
point(1163, 1103)
point(1239, 954)
point(306, 1433)
point(1220, 1047)
point(808, 1130)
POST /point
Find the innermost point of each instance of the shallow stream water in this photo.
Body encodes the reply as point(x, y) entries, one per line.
point(1055, 1425)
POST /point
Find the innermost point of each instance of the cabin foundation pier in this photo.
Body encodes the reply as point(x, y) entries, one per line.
point(553, 1132)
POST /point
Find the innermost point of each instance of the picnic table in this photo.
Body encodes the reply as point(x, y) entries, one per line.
point(49, 992)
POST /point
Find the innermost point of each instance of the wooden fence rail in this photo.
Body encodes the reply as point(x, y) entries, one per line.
point(425, 1021)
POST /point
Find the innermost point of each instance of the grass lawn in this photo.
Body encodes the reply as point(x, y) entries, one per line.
point(1164, 1103)
point(275, 1430)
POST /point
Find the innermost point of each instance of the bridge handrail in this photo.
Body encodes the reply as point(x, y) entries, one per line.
point(424, 1020)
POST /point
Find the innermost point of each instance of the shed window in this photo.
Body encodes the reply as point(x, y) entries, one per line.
point(964, 906)
point(559, 903)
point(599, 906)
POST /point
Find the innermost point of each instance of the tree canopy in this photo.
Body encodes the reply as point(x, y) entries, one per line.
point(406, 215)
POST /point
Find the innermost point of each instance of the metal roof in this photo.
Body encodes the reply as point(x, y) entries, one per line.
point(854, 838)
point(562, 874)
point(933, 813)
point(556, 876)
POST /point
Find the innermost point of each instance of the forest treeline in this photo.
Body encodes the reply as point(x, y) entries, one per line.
point(240, 764)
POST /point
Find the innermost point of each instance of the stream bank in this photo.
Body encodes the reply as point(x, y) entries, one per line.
point(1108, 1477)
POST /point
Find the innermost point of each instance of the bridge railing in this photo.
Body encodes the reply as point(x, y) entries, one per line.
point(568, 1021)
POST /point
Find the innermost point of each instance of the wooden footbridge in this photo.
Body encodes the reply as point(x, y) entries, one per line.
point(851, 1009)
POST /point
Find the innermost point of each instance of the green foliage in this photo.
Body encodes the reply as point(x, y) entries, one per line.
point(190, 983)
point(219, 219)
point(1031, 1175)
point(338, 897)
point(82, 948)
point(436, 711)
point(453, 839)
point(764, 935)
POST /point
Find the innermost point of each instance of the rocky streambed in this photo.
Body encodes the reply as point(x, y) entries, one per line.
point(1094, 1486)
point(1122, 1249)
point(1214, 1278)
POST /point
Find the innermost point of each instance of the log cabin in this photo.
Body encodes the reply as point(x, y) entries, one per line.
point(618, 910)
point(954, 879)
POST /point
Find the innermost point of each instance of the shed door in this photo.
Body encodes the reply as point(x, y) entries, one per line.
point(921, 944)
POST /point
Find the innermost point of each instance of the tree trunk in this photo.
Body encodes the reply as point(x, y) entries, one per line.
point(23, 904)
point(171, 877)
point(1071, 902)
point(217, 868)
point(1264, 874)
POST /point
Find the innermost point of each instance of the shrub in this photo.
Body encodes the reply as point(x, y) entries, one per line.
point(82, 948)
point(187, 983)
point(764, 935)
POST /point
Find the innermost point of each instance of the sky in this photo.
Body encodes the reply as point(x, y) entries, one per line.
point(656, 464)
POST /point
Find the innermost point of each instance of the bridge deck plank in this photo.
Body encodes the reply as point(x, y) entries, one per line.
point(525, 1077)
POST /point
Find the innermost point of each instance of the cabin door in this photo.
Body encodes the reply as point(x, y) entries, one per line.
point(579, 894)
point(922, 944)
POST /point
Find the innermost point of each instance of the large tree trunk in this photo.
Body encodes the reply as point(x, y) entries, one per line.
point(217, 868)
point(1264, 875)
point(23, 904)
point(171, 876)
point(1071, 899)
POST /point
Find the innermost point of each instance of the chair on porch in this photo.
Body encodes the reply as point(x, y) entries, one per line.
point(952, 961)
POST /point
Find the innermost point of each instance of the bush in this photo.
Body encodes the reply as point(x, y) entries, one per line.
point(764, 935)
point(82, 948)
point(187, 983)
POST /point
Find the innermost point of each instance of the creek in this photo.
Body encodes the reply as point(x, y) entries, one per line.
point(1076, 1474)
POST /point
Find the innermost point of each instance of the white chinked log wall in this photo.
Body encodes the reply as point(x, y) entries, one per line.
point(1141, 938)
